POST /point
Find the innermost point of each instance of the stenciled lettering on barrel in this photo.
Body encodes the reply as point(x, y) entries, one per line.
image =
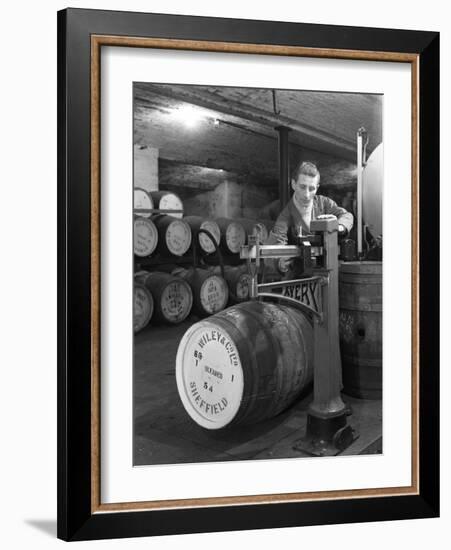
point(212, 374)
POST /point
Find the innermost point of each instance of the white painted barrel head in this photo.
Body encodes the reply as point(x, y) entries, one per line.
point(242, 287)
point(214, 294)
point(204, 240)
point(178, 237)
point(176, 301)
point(170, 201)
point(142, 307)
point(235, 236)
point(142, 199)
point(209, 375)
point(145, 237)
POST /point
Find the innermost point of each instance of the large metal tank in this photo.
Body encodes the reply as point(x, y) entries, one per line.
point(372, 189)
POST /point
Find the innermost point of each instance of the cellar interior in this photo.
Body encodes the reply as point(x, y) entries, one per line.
point(212, 166)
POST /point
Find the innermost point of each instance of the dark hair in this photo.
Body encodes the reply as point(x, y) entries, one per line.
point(307, 168)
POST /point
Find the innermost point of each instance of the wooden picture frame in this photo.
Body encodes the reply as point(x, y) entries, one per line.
point(81, 35)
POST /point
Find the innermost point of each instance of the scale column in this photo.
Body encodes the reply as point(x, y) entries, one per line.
point(327, 431)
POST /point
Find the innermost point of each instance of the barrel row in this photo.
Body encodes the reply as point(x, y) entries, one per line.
point(173, 236)
point(170, 297)
point(160, 200)
point(170, 203)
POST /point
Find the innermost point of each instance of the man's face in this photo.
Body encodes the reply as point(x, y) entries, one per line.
point(305, 188)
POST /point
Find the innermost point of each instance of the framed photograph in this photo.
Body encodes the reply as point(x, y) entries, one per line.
point(248, 274)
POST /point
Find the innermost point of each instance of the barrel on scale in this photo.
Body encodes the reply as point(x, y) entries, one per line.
point(172, 295)
point(210, 290)
point(360, 300)
point(244, 365)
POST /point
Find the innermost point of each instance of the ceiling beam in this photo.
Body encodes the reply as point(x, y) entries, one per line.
point(208, 100)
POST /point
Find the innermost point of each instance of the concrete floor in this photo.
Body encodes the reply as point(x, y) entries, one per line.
point(164, 433)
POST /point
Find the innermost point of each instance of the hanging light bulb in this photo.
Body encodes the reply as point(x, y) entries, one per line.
point(189, 115)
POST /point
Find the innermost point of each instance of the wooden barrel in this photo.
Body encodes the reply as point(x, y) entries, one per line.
point(165, 200)
point(347, 250)
point(360, 300)
point(254, 227)
point(145, 236)
point(205, 243)
point(238, 280)
point(210, 290)
point(172, 296)
point(174, 235)
point(142, 199)
point(233, 235)
point(142, 306)
point(243, 365)
point(262, 230)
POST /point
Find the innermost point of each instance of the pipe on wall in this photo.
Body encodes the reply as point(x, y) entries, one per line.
point(284, 165)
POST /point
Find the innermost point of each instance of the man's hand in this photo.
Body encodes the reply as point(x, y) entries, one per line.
point(280, 238)
point(341, 228)
point(284, 265)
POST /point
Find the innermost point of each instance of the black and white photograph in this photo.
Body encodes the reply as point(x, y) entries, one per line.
point(258, 255)
point(237, 334)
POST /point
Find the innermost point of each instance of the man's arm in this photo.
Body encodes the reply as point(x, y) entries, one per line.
point(279, 233)
point(345, 218)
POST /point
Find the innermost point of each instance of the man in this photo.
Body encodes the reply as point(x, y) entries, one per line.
point(295, 218)
point(306, 205)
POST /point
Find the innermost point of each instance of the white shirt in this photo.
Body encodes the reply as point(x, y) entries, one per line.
point(304, 210)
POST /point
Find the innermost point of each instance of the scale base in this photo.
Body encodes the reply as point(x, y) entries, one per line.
point(326, 436)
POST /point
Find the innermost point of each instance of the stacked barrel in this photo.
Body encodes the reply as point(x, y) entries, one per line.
point(158, 224)
point(186, 264)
